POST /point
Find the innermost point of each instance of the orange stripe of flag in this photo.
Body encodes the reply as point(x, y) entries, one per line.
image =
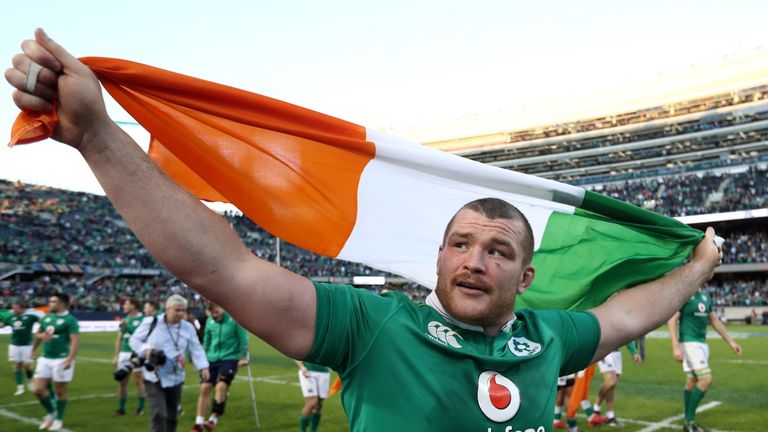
point(291, 170)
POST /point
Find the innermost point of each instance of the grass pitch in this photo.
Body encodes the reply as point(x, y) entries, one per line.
point(649, 395)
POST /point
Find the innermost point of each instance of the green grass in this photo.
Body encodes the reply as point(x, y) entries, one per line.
point(648, 392)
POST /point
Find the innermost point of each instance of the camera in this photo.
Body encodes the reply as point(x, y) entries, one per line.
point(156, 358)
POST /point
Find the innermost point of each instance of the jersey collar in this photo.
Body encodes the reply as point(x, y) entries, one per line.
point(434, 302)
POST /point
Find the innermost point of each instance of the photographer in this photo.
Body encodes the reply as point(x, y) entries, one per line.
point(162, 343)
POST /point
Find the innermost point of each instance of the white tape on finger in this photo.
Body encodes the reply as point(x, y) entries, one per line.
point(32, 73)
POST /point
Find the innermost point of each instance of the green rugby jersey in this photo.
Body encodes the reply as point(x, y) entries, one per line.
point(132, 322)
point(21, 328)
point(406, 368)
point(61, 326)
point(316, 367)
point(694, 317)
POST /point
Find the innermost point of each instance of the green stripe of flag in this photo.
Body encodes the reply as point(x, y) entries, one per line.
point(605, 246)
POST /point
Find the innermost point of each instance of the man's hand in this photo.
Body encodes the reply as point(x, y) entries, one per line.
point(304, 371)
point(677, 354)
point(735, 347)
point(64, 79)
point(637, 358)
point(707, 254)
point(66, 364)
point(205, 375)
point(243, 362)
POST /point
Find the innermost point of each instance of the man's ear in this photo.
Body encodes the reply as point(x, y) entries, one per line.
point(526, 280)
point(439, 257)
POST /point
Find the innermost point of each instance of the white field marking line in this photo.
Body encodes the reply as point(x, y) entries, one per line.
point(23, 419)
point(668, 421)
point(35, 402)
point(739, 361)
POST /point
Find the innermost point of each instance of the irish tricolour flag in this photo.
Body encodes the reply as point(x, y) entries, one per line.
point(341, 190)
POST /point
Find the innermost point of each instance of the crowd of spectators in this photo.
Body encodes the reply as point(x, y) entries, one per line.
point(695, 193)
point(45, 225)
point(752, 292)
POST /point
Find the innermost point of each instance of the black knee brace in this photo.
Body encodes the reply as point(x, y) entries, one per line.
point(218, 408)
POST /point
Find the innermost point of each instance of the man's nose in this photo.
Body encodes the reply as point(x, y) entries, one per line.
point(475, 261)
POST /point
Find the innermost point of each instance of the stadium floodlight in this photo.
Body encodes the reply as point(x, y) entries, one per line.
point(253, 393)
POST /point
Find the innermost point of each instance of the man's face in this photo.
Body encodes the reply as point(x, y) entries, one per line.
point(17, 309)
point(149, 310)
point(480, 269)
point(175, 313)
point(128, 307)
point(55, 305)
point(217, 312)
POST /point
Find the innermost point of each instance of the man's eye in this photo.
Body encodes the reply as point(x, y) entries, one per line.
point(461, 245)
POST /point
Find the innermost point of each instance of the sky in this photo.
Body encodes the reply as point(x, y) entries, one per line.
point(391, 64)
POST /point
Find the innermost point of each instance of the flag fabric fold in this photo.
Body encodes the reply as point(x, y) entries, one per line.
point(340, 190)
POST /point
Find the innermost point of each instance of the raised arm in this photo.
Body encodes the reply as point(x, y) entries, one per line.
point(720, 328)
point(188, 239)
point(635, 312)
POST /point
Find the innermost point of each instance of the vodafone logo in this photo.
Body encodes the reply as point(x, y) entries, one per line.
point(498, 397)
point(444, 334)
point(702, 307)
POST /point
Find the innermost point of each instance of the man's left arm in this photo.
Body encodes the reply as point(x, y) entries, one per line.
point(720, 328)
point(74, 345)
point(196, 352)
point(242, 337)
point(634, 312)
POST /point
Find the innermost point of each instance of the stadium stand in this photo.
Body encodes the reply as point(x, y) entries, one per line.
point(700, 155)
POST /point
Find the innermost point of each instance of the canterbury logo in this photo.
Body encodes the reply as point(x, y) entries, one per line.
point(444, 334)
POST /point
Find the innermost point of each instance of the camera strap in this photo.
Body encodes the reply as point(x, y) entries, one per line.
point(151, 328)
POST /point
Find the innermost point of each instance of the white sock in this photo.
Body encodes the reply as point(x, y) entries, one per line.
point(585, 404)
point(610, 414)
point(596, 407)
point(199, 420)
point(558, 409)
point(213, 419)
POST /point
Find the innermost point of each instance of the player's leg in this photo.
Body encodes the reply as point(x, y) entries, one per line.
point(203, 400)
point(139, 377)
point(18, 376)
point(42, 379)
point(696, 358)
point(306, 412)
point(61, 379)
point(560, 403)
point(227, 373)
point(323, 382)
point(122, 396)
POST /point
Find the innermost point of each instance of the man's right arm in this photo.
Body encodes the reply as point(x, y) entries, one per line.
point(673, 336)
point(187, 238)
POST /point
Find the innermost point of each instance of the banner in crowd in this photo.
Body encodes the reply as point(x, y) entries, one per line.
point(340, 190)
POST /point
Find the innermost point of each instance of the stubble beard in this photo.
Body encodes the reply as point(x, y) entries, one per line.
point(493, 314)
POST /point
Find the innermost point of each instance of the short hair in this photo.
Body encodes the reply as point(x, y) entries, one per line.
point(19, 302)
point(63, 297)
point(494, 208)
point(152, 303)
point(175, 299)
point(211, 306)
point(133, 301)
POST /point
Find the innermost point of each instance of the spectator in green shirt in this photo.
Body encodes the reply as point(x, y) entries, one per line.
point(226, 346)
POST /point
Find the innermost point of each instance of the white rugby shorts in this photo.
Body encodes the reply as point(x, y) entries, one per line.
point(20, 353)
point(611, 363)
point(316, 385)
point(52, 368)
point(695, 358)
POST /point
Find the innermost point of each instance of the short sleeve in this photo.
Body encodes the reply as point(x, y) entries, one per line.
point(74, 327)
point(579, 334)
point(347, 322)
